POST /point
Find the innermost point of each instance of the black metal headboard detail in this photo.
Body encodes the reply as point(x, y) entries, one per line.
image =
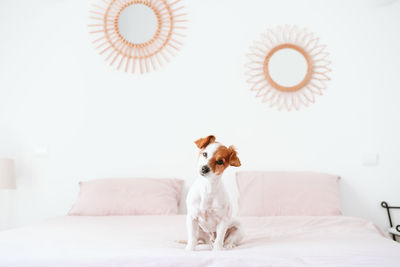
point(387, 207)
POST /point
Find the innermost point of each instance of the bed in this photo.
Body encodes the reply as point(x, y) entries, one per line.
point(289, 219)
point(154, 241)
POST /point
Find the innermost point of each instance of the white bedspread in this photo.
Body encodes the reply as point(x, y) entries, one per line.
point(150, 241)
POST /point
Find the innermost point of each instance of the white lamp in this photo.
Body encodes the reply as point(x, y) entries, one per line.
point(7, 174)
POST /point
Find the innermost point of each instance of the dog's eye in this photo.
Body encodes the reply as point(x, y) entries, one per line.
point(220, 162)
point(205, 154)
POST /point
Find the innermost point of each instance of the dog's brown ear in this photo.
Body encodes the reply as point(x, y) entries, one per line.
point(204, 142)
point(233, 158)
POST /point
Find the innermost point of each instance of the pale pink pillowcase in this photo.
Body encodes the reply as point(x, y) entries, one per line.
point(264, 193)
point(128, 196)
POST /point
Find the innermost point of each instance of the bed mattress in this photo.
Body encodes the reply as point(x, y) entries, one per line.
point(152, 241)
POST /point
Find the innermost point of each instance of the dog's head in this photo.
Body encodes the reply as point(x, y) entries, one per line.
point(214, 157)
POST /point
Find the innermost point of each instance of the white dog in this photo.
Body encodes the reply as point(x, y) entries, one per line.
point(209, 219)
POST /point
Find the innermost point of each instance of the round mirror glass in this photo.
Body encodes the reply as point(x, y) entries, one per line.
point(287, 67)
point(137, 23)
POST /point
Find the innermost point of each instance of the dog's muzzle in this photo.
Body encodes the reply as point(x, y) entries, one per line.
point(204, 170)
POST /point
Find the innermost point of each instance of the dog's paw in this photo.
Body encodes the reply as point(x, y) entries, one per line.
point(217, 247)
point(230, 246)
point(190, 247)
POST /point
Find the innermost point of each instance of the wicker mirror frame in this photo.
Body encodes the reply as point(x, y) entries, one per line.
point(276, 85)
point(270, 91)
point(129, 56)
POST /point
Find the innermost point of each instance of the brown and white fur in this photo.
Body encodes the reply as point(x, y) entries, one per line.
point(209, 214)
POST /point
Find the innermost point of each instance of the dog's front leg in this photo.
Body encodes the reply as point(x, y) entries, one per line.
point(192, 229)
point(219, 240)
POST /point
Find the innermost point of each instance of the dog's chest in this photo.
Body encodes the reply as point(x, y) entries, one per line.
point(211, 211)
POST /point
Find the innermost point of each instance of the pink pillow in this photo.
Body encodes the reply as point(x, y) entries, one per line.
point(128, 196)
point(288, 194)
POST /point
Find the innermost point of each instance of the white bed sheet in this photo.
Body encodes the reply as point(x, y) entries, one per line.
point(151, 241)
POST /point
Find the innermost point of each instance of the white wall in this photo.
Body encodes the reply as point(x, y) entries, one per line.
point(56, 92)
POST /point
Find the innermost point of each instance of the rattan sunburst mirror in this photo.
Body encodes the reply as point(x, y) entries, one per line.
point(137, 35)
point(288, 67)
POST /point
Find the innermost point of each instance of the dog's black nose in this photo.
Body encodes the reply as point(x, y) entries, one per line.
point(205, 169)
